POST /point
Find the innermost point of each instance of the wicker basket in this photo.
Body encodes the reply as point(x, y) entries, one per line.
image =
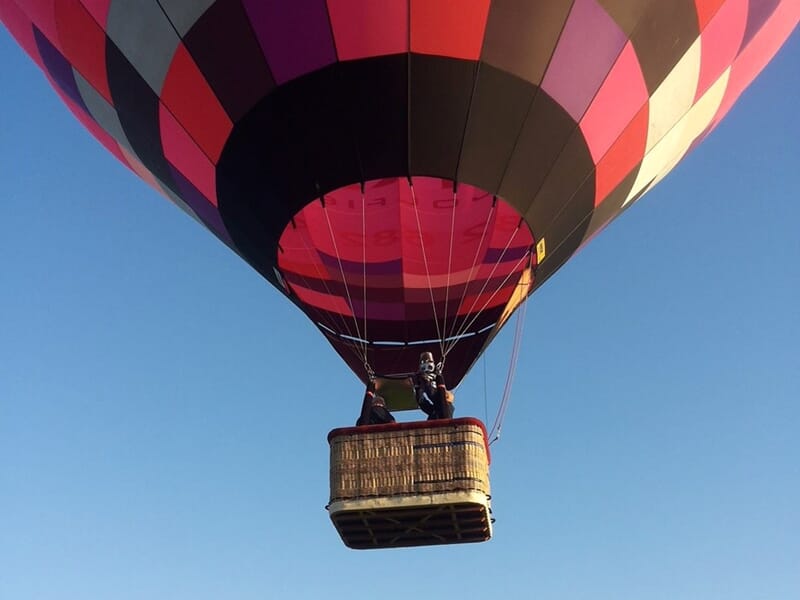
point(410, 484)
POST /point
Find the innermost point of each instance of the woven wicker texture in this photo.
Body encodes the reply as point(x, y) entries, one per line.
point(424, 460)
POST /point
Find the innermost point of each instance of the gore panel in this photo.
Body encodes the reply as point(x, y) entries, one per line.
point(521, 35)
point(440, 90)
point(499, 107)
point(225, 48)
point(544, 134)
point(375, 104)
point(137, 106)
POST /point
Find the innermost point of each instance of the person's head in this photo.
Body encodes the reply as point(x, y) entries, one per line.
point(426, 363)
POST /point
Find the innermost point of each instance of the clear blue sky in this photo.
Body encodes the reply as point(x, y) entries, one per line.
point(163, 411)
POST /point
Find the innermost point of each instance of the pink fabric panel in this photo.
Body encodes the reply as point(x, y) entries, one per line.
point(706, 9)
point(20, 26)
point(762, 47)
point(363, 28)
point(186, 156)
point(720, 43)
point(617, 102)
point(42, 12)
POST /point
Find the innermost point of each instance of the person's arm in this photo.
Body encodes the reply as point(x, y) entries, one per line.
point(366, 405)
point(419, 393)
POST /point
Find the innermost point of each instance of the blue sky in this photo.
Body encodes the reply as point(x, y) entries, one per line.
point(163, 411)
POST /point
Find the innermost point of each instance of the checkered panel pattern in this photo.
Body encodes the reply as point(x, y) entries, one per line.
point(247, 113)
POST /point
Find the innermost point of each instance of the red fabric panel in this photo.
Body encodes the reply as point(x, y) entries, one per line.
point(363, 28)
point(192, 102)
point(83, 43)
point(706, 9)
point(619, 99)
point(448, 28)
point(622, 157)
point(186, 156)
point(98, 9)
point(335, 304)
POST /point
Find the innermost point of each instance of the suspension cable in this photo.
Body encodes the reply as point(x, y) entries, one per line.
point(474, 263)
point(465, 324)
point(302, 234)
point(360, 338)
point(494, 433)
point(427, 269)
point(475, 317)
point(449, 265)
point(364, 272)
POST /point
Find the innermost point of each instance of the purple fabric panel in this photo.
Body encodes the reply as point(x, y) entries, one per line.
point(758, 11)
point(382, 311)
point(586, 51)
point(295, 36)
point(391, 267)
point(59, 68)
point(496, 255)
point(206, 211)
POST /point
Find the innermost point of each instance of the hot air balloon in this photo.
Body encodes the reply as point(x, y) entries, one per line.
point(407, 172)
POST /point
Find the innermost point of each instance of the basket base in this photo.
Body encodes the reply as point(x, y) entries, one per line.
point(413, 520)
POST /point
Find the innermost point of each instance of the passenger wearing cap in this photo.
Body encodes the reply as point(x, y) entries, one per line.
point(430, 391)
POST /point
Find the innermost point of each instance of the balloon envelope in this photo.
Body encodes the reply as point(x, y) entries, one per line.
point(405, 171)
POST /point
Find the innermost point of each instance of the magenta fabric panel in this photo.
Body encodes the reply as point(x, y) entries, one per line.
point(576, 70)
point(295, 36)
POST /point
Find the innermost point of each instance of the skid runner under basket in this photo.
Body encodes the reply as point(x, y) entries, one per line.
point(410, 484)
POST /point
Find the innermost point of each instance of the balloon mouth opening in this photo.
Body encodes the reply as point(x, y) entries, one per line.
point(401, 261)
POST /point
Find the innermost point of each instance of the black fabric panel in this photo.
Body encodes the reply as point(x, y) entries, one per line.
point(544, 134)
point(661, 33)
point(290, 148)
point(223, 45)
point(558, 255)
point(567, 195)
point(375, 92)
point(440, 90)
point(318, 111)
point(499, 107)
point(137, 107)
point(627, 14)
point(349, 121)
point(508, 43)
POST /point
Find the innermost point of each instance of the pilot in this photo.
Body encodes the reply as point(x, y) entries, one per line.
point(429, 389)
